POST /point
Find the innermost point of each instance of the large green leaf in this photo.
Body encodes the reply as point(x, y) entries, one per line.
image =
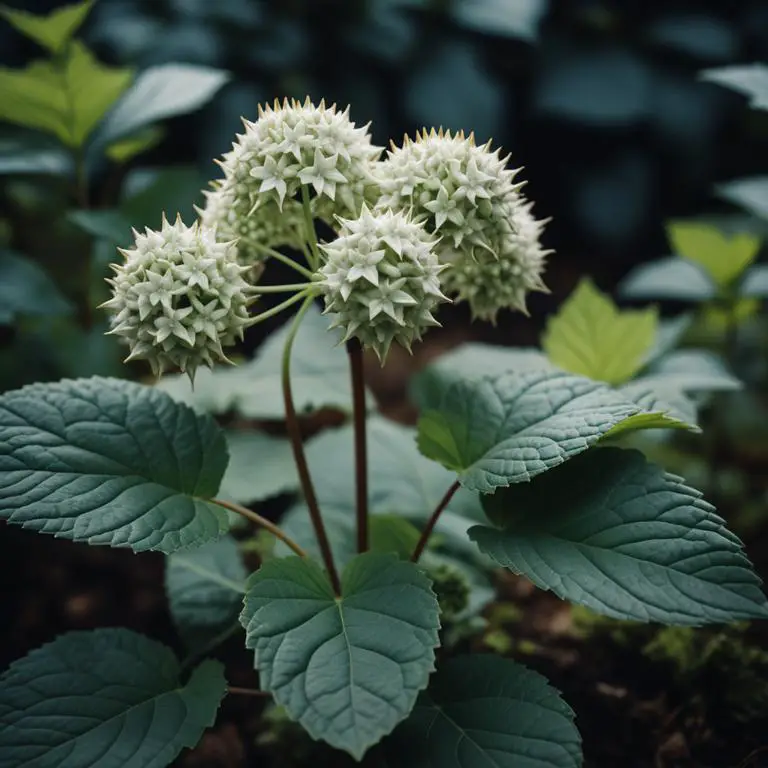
point(615, 533)
point(749, 79)
point(67, 100)
point(52, 31)
point(161, 92)
point(25, 289)
point(319, 377)
point(509, 428)
point(348, 668)
point(205, 588)
point(591, 336)
point(724, 258)
point(259, 466)
point(110, 462)
point(104, 699)
point(670, 278)
point(482, 711)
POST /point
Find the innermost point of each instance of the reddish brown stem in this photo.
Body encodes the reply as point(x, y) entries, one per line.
point(355, 352)
point(429, 527)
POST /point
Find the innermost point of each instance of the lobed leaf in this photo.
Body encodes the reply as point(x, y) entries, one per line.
point(109, 698)
point(617, 534)
point(347, 668)
point(106, 461)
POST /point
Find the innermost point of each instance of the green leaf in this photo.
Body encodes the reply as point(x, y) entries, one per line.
point(205, 588)
point(348, 669)
point(690, 370)
point(482, 711)
point(499, 17)
point(509, 428)
point(161, 92)
point(30, 152)
point(749, 79)
point(106, 224)
point(52, 31)
point(615, 533)
point(260, 466)
point(68, 100)
point(123, 150)
point(592, 337)
point(319, 377)
point(25, 289)
point(110, 462)
point(724, 258)
point(104, 698)
point(671, 278)
point(391, 533)
point(750, 193)
point(662, 408)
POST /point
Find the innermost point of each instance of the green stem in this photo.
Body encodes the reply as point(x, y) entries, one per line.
point(280, 288)
point(294, 433)
point(429, 527)
point(277, 309)
point(355, 352)
point(309, 222)
point(287, 260)
point(263, 522)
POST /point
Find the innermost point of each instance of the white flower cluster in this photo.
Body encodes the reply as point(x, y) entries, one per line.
point(467, 195)
point(178, 298)
point(381, 280)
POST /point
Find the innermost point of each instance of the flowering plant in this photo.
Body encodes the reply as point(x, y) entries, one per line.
point(384, 559)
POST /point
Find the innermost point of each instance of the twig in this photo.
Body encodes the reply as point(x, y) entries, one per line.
point(427, 532)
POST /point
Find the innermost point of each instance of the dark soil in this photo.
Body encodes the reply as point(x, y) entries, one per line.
point(631, 711)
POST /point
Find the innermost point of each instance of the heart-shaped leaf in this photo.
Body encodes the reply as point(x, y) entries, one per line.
point(481, 711)
point(104, 698)
point(617, 534)
point(347, 668)
point(107, 461)
point(509, 428)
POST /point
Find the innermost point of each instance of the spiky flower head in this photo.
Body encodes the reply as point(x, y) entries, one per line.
point(294, 144)
point(452, 589)
point(491, 282)
point(380, 280)
point(179, 297)
point(254, 227)
point(462, 192)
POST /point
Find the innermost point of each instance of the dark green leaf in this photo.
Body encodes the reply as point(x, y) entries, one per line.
point(123, 150)
point(104, 698)
point(347, 668)
point(205, 588)
point(499, 17)
point(509, 428)
point(110, 462)
point(749, 79)
point(615, 533)
point(160, 92)
point(481, 711)
point(106, 224)
point(52, 31)
point(34, 154)
point(671, 278)
point(25, 289)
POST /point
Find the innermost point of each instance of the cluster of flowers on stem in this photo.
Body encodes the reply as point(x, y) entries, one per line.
point(438, 219)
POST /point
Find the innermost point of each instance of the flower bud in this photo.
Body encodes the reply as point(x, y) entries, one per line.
point(381, 281)
point(179, 298)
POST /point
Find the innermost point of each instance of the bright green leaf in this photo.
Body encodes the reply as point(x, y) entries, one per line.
point(482, 711)
point(205, 588)
point(749, 79)
point(619, 535)
point(123, 150)
point(160, 92)
point(348, 669)
point(509, 428)
point(259, 466)
point(104, 698)
point(671, 278)
point(52, 31)
point(667, 410)
point(591, 336)
point(25, 289)
point(724, 258)
point(110, 462)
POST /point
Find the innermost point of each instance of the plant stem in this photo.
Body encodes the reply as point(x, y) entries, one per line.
point(285, 288)
point(427, 532)
point(247, 691)
point(355, 352)
point(277, 309)
point(263, 522)
point(81, 179)
point(287, 260)
point(294, 433)
point(310, 225)
point(214, 642)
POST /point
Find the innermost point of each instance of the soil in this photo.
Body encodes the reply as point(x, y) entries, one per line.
point(630, 710)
